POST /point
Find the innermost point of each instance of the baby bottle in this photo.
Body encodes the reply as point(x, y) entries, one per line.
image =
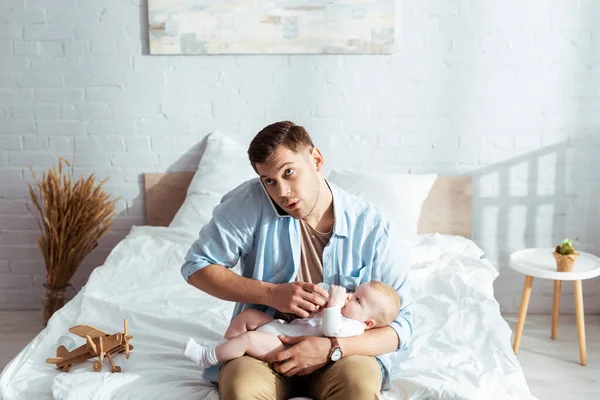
point(324, 286)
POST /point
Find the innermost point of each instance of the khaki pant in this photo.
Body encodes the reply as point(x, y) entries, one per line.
point(354, 377)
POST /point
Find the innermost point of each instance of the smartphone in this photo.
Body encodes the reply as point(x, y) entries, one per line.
point(278, 210)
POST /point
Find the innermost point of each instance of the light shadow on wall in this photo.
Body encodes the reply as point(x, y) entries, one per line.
point(536, 200)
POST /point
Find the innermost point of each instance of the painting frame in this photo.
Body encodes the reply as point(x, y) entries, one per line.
point(204, 27)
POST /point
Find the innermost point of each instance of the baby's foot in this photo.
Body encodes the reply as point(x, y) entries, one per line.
point(199, 354)
point(193, 351)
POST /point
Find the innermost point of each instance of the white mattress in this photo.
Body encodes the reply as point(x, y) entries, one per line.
point(461, 346)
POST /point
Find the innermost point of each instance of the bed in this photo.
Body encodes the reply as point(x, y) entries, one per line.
point(461, 347)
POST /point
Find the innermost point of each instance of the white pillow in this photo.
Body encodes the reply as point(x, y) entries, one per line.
point(398, 196)
point(223, 166)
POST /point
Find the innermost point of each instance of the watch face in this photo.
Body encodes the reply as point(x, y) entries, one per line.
point(336, 354)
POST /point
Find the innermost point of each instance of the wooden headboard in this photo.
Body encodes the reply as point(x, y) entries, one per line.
point(446, 210)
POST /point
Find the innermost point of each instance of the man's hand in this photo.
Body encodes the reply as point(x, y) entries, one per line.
point(307, 354)
point(300, 298)
point(337, 296)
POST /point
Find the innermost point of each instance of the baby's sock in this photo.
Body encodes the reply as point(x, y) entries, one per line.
point(201, 354)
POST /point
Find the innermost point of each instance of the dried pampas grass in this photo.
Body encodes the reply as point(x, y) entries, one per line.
point(72, 217)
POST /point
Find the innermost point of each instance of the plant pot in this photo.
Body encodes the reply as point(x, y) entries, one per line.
point(53, 300)
point(564, 263)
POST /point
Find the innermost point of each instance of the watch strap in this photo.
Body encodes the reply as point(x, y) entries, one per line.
point(335, 344)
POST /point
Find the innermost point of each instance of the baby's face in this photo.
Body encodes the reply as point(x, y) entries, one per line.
point(362, 304)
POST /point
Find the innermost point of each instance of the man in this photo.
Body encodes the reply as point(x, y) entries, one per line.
point(290, 230)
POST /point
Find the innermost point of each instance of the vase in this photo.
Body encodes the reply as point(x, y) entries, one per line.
point(564, 263)
point(52, 300)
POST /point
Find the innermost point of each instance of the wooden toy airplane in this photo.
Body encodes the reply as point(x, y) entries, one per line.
point(99, 344)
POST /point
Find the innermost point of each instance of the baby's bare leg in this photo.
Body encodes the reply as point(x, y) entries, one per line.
point(248, 320)
point(256, 344)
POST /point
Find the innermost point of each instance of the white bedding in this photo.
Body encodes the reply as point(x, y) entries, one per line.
point(461, 346)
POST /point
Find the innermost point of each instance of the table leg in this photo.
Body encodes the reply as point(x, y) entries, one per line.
point(555, 308)
point(523, 311)
point(580, 320)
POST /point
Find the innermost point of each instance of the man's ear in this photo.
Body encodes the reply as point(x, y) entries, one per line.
point(370, 323)
point(317, 158)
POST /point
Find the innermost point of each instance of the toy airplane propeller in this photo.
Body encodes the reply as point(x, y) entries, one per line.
point(98, 344)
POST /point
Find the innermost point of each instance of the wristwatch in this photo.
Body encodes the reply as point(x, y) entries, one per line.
point(336, 351)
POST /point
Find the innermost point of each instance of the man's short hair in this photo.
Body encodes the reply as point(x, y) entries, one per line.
point(283, 133)
point(388, 311)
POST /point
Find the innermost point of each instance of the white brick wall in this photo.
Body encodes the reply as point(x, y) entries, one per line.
point(506, 91)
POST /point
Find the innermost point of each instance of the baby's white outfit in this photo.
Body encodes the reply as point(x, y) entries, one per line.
point(328, 323)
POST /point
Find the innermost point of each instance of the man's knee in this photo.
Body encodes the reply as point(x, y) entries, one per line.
point(361, 377)
point(248, 378)
point(354, 377)
point(236, 376)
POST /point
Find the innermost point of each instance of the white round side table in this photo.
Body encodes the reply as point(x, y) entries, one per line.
point(540, 263)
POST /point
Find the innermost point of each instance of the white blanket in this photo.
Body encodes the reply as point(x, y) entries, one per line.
point(461, 346)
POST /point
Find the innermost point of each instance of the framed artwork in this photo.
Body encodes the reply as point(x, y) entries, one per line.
point(271, 27)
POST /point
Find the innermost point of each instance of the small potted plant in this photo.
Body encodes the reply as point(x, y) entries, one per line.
point(565, 256)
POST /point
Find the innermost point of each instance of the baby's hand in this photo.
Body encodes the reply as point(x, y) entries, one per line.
point(337, 296)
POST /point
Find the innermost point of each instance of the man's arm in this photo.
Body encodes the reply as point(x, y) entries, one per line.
point(373, 342)
point(389, 267)
point(394, 270)
point(221, 282)
point(295, 297)
point(226, 238)
point(309, 353)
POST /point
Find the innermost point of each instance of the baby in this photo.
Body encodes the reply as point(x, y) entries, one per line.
point(374, 304)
